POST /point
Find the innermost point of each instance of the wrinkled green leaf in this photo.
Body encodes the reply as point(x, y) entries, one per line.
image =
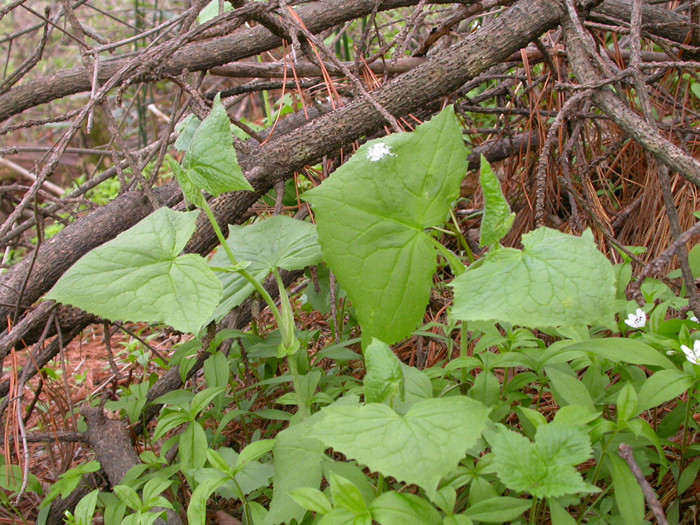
point(498, 219)
point(372, 213)
point(395, 445)
point(544, 468)
point(547, 284)
point(384, 378)
point(277, 242)
point(140, 276)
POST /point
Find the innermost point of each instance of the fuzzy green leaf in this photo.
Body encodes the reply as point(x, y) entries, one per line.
point(395, 445)
point(372, 213)
point(498, 219)
point(140, 276)
point(547, 284)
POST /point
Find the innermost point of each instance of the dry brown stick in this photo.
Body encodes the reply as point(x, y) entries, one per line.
point(664, 178)
point(305, 68)
point(625, 452)
point(197, 56)
point(657, 265)
point(632, 124)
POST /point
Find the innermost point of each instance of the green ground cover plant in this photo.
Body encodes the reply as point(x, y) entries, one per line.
point(466, 441)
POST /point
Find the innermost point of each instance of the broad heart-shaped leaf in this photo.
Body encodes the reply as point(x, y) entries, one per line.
point(277, 242)
point(498, 219)
point(420, 447)
point(371, 215)
point(139, 276)
point(556, 280)
point(544, 468)
point(210, 160)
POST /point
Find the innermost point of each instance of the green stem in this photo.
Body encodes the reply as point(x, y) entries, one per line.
point(296, 381)
point(684, 441)
point(245, 273)
point(458, 232)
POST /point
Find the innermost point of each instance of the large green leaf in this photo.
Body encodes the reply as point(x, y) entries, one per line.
point(372, 213)
point(277, 242)
point(544, 468)
point(498, 219)
point(556, 280)
point(210, 161)
point(395, 445)
point(140, 276)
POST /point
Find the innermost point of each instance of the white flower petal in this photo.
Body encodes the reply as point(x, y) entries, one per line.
point(378, 151)
point(692, 355)
point(636, 320)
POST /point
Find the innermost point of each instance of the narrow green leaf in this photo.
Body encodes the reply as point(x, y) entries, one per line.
point(498, 510)
point(663, 386)
point(384, 378)
point(569, 389)
point(255, 450)
point(498, 219)
point(197, 508)
point(140, 276)
point(559, 514)
point(688, 476)
point(203, 398)
point(85, 509)
point(346, 495)
point(407, 509)
point(372, 213)
point(626, 403)
point(128, 496)
point(621, 350)
point(547, 284)
point(628, 494)
point(394, 445)
point(193, 447)
point(312, 499)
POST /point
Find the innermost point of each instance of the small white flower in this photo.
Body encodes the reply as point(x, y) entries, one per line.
point(694, 319)
point(378, 151)
point(692, 355)
point(636, 320)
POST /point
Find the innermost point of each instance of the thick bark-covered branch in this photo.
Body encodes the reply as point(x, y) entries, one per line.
point(198, 56)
